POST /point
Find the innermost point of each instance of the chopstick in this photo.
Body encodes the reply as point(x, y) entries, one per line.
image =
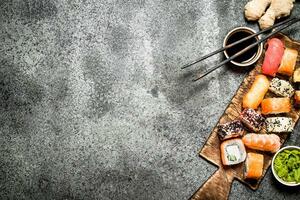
point(289, 23)
point(235, 43)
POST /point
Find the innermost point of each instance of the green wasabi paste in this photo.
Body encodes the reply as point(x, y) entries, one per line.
point(287, 165)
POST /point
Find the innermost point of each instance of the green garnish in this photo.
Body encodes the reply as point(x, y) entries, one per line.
point(231, 157)
point(287, 165)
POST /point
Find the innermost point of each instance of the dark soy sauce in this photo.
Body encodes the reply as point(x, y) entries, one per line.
point(233, 50)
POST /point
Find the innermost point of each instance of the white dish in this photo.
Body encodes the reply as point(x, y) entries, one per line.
point(273, 170)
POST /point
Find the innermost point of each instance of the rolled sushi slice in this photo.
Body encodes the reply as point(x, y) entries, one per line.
point(233, 152)
point(281, 87)
point(252, 119)
point(279, 124)
point(297, 97)
point(254, 166)
point(230, 130)
point(296, 76)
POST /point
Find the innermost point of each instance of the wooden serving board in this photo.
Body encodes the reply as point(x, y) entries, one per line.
point(219, 184)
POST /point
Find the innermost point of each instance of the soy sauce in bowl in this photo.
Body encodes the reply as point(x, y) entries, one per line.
point(247, 58)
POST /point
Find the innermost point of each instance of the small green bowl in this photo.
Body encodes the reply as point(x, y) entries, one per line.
point(274, 172)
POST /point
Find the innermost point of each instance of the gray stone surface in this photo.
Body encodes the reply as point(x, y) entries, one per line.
point(93, 104)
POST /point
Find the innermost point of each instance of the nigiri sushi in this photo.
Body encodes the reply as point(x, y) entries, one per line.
point(262, 142)
point(254, 166)
point(275, 106)
point(256, 94)
point(233, 151)
point(252, 119)
point(230, 129)
point(288, 62)
point(273, 57)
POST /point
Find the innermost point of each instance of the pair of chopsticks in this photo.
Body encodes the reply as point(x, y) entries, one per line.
point(284, 25)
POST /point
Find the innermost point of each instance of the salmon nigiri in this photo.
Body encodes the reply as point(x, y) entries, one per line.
point(256, 94)
point(288, 62)
point(254, 165)
point(275, 106)
point(262, 142)
point(273, 57)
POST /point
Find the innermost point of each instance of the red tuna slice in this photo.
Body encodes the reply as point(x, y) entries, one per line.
point(273, 57)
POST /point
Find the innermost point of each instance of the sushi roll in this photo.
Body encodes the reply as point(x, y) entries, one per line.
point(233, 152)
point(256, 94)
point(231, 130)
point(288, 62)
point(252, 119)
point(273, 57)
point(281, 87)
point(296, 79)
point(296, 76)
point(297, 97)
point(262, 142)
point(275, 106)
point(254, 166)
point(279, 124)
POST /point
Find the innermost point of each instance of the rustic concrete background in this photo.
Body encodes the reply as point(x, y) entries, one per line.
point(93, 104)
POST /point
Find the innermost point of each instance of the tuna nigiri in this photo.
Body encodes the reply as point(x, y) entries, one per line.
point(273, 57)
point(257, 92)
point(262, 142)
point(288, 62)
point(275, 106)
point(254, 165)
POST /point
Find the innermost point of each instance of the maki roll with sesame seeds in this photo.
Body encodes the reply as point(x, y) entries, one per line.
point(281, 87)
point(252, 119)
point(230, 130)
point(279, 124)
